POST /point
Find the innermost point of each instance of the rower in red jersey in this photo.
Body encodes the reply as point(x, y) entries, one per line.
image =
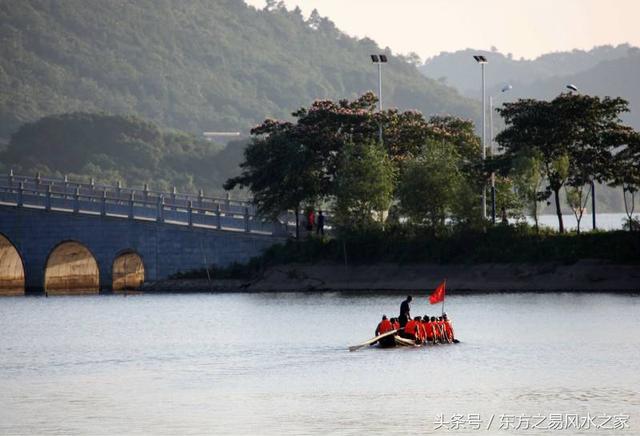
point(434, 329)
point(428, 329)
point(395, 323)
point(384, 326)
point(411, 328)
point(448, 328)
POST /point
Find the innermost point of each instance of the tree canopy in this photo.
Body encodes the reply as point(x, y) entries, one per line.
point(574, 137)
point(332, 154)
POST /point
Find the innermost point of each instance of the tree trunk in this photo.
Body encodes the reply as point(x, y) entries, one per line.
point(558, 210)
point(626, 207)
point(535, 216)
point(297, 222)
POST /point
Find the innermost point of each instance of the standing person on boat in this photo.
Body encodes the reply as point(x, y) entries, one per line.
point(383, 326)
point(405, 309)
point(320, 224)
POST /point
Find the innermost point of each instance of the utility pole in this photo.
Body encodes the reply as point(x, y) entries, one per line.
point(379, 59)
point(482, 61)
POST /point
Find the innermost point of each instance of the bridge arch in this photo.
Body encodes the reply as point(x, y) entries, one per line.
point(127, 271)
point(12, 281)
point(71, 269)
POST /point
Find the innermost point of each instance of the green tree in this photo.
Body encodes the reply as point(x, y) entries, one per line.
point(528, 179)
point(280, 172)
point(626, 174)
point(573, 136)
point(429, 185)
point(507, 198)
point(330, 145)
point(577, 199)
point(597, 132)
point(533, 126)
point(364, 185)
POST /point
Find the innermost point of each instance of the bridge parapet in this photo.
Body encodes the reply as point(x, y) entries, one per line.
point(143, 204)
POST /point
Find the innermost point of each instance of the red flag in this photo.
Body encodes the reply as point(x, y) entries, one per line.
point(438, 295)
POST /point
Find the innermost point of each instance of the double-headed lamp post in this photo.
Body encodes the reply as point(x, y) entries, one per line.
point(504, 89)
point(573, 88)
point(379, 59)
point(482, 61)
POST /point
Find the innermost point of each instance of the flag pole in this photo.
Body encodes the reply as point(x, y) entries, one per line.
point(444, 296)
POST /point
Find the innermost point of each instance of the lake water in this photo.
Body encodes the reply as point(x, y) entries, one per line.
point(278, 364)
point(604, 221)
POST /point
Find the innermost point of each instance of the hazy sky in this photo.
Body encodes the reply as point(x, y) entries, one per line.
point(525, 28)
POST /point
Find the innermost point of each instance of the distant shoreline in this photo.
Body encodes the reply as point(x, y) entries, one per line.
point(582, 276)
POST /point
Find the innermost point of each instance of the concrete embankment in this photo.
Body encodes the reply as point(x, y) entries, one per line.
point(587, 275)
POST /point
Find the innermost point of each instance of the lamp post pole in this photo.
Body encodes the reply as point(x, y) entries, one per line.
point(482, 61)
point(380, 98)
point(493, 174)
point(380, 86)
point(379, 59)
point(492, 150)
point(484, 139)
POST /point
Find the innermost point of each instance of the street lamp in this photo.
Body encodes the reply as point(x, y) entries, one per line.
point(504, 89)
point(379, 59)
point(482, 61)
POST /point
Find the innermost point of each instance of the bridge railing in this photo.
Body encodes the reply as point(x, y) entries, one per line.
point(116, 201)
point(65, 185)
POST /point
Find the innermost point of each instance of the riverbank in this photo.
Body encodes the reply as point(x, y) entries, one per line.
point(585, 275)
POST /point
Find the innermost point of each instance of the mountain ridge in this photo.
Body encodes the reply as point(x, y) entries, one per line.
point(457, 67)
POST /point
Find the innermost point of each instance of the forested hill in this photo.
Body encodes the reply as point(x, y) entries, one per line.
point(190, 64)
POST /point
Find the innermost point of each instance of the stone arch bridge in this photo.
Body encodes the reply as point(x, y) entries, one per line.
point(62, 237)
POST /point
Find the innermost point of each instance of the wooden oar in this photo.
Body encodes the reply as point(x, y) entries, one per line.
point(404, 342)
point(372, 341)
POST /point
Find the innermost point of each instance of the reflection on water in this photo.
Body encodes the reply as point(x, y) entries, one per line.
point(278, 363)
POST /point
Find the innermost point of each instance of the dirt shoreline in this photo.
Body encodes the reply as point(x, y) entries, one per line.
point(583, 276)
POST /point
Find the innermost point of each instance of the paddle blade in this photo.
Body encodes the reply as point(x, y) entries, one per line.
point(373, 340)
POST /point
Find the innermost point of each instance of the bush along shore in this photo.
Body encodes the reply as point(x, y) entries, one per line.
point(504, 258)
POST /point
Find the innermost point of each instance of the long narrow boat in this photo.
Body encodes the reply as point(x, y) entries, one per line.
point(393, 339)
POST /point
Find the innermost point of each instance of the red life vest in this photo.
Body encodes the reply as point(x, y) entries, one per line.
point(440, 329)
point(448, 329)
point(384, 326)
point(429, 327)
point(411, 327)
point(422, 331)
point(396, 325)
